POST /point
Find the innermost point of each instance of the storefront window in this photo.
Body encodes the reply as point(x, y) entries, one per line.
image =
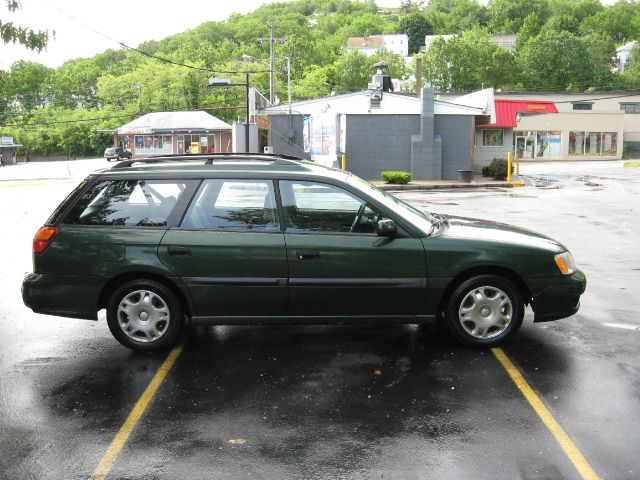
point(592, 143)
point(492, 138)
point(576, 143)
point(609, 143)
point(153, 144)
point(548, 145)
point(197, 143)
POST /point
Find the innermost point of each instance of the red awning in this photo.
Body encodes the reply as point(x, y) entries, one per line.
point(506, 111)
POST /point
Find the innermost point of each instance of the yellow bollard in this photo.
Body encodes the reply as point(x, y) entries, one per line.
point(344, 162)
point(509, 167)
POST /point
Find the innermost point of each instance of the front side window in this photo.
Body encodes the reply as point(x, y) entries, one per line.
point(225, 204)
point(323, 208)
point(142, 203)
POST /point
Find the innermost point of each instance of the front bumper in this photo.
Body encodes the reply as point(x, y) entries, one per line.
point(557, 299)
point(62, 295)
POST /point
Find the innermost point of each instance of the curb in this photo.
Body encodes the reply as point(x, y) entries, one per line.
point(444, 186)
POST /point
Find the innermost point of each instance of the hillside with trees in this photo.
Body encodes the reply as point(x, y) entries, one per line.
point(563, 45)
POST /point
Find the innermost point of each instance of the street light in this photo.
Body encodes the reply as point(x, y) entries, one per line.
point(225, 82)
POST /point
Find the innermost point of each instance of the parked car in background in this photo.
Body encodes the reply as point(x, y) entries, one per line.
point(257, 239)
point(117, 153)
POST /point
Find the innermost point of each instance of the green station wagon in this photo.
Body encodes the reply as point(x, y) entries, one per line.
point(237, 239)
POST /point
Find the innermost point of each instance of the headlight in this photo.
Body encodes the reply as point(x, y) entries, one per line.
point(565, 263)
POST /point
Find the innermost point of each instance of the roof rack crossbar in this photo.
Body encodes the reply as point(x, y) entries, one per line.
point(209, 158)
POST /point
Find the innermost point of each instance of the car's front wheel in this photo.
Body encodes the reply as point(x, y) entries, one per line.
point(144, 315)
point(484, 310)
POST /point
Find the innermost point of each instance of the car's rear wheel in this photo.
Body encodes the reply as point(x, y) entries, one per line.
point(484, 310)
point(144, 315)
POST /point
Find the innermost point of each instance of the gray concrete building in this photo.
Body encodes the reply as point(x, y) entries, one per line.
point(430, 139)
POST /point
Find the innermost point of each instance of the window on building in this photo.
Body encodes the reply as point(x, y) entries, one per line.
point(548, 145)
point(630, 107)
point(576, 143)
point(583, 106)
point(196, 143)
point(492, 138)
point(593, 144)
point(609, 143)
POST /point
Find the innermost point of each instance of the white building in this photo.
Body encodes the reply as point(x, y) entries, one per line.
point(624, 54)
point(396, 44)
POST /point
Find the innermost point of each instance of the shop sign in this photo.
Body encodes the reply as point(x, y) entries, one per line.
point(134, 130)
point(7, 140)
point(537, 107)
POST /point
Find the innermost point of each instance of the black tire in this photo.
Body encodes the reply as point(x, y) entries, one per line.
point(155, 318)
point(484, 311)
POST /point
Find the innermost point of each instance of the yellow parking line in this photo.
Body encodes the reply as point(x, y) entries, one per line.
point(130, 423)
point(570, 449)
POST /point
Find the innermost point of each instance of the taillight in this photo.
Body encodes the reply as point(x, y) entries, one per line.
point(43, 238)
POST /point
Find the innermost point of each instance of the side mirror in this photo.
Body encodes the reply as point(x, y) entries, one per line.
point(387, 228)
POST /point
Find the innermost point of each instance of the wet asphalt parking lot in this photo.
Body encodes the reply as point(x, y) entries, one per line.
point(392, 402)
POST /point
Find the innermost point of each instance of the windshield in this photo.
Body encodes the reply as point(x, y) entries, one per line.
point(424, 220)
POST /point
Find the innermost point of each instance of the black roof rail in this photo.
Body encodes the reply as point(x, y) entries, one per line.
point(208, 158)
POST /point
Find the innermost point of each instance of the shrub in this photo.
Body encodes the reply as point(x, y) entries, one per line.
point(496, 169)
point(400, 178)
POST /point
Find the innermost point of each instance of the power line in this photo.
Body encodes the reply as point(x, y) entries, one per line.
point(149, 55)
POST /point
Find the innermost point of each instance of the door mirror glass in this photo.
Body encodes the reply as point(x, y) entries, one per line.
point(387, 228)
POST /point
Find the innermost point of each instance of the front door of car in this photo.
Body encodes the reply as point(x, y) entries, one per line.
point(229, 250)
point(338, 265)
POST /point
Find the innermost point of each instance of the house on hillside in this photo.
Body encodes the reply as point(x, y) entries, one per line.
point(624, 54)
point(161, 133)
point(396, 44)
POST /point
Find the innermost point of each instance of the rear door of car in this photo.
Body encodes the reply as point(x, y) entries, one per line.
point(229, 249)
point(113, 226)
point(338, 265)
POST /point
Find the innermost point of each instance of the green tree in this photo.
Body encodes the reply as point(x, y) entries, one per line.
point(468, 62)
point(507, 16)
point(564, 61)
point(455, 16)
point(352, 71)
point(415, 26)
point(12, 33)
point(620, 21)
point(530, 28)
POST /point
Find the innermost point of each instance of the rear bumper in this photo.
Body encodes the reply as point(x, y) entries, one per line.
point(62, 295)
point(558, 299)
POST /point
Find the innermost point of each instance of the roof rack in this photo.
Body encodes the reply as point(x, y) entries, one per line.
point(209, 158)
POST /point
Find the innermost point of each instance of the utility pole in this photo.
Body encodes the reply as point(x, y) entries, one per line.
point(272, 64)
point(272, 60)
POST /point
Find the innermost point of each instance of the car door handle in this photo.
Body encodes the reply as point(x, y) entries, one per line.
point(176, 251)
point(307, 254)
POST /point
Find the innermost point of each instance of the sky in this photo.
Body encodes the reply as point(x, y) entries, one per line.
point(129, 21)
point(82, 25)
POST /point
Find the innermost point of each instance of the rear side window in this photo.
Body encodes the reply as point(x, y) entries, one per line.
point(142, 203)
point(233, 204)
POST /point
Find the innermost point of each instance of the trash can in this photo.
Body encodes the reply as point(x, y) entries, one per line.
point(465, 176)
